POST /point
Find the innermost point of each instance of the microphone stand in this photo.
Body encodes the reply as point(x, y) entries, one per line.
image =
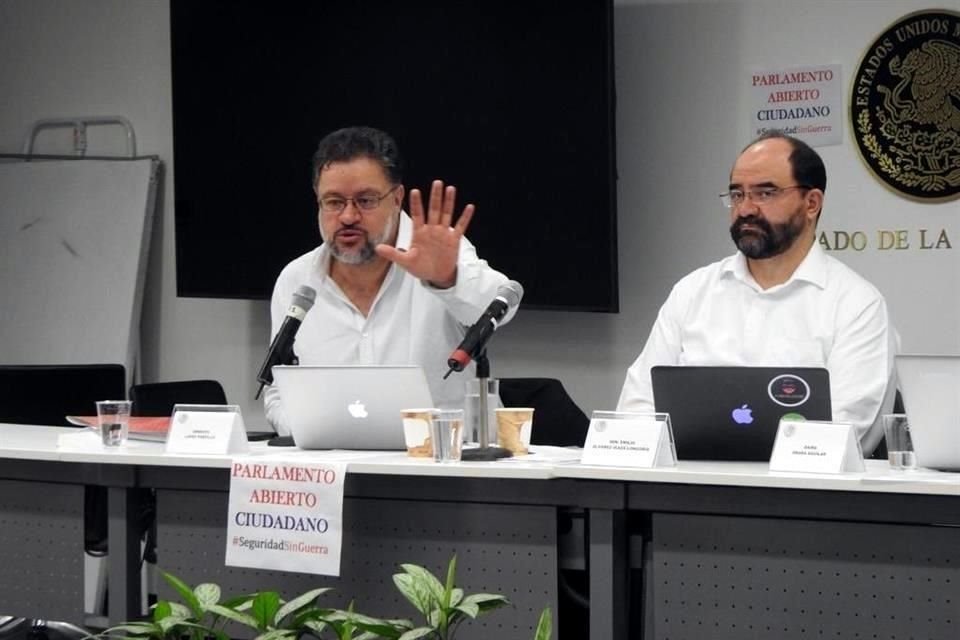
point(485, 452)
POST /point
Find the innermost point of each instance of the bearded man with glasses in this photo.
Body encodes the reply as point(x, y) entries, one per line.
point(392, 288)
point(780, 300)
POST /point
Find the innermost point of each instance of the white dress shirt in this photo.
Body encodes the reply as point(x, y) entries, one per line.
point(410, 322)
point(825, 315)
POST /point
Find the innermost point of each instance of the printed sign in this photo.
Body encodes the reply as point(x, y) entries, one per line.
point(286, 515)
point(804, 102)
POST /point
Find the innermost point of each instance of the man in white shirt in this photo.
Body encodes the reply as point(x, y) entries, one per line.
point(780, 300)
point(391, 288)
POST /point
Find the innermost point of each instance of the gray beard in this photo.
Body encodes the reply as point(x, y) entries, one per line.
point(367, 252)
point(363, 256)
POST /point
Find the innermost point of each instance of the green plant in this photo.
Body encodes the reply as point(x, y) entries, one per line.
point(444, 606)
point(203, 616)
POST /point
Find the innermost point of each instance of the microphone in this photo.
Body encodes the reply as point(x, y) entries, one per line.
point(473, 344)
point(281, 349)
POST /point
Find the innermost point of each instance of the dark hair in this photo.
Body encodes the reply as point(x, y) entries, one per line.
point(806, 163)
point(350, 143)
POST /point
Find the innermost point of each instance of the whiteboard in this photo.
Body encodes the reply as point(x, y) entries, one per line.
point(74, 236)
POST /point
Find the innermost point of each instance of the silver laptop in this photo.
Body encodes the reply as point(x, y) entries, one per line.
point(930, 387)
point(349, 407)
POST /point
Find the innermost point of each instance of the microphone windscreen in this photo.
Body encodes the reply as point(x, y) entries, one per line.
point(304, 297)
point(512, 292)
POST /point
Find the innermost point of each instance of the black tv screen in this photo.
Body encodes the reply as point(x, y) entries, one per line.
point(513, 102)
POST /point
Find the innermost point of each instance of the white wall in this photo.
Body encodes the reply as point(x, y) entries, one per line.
point(681, 85)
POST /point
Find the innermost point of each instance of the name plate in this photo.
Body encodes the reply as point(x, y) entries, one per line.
point(816, 447)
point(629, 440)
point(210, 429)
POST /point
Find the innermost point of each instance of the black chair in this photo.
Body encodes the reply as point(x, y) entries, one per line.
point(159, 398)
point(44, 395)
point(557, 420)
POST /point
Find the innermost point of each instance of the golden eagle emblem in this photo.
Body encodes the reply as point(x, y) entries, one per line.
point(905, 106)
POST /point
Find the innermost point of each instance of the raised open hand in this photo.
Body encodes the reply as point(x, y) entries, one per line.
point(435, 244)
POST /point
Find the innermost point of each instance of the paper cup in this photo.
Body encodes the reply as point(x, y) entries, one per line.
point(513, 429)
point(417, 424)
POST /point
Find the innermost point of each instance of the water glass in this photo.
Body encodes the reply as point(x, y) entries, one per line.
point(114, 418)
point(446, 432)
point(896, 430)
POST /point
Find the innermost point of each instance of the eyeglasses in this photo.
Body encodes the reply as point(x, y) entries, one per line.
point(760, 195)
point(364, 201)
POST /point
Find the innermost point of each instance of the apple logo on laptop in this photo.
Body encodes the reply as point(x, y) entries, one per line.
point(743, 415)
point(357, 410)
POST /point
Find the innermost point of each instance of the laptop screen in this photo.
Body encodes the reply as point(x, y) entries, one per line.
point(732, 413)
point(349, 407)
point(931, 397)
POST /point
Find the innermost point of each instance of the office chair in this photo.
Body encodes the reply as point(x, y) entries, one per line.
point(557, 420)
point(44, 395)
point(159, 398)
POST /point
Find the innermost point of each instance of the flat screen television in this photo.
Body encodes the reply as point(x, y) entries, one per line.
point(513, 102)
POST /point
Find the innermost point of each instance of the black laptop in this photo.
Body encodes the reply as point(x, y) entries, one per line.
point(732, 413)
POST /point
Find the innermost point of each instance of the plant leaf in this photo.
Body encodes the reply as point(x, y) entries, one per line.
point(304, 615)
point(265, 607)
point(448, 587)
point(419, 632)
point(544, 626)
point(380, 628)
point(135, 628)
point(427, 579)
point(413, 591)
point(317, 626)
point(185, 592)
point(178, 610)
point(468, 608)
point(485, 601)
point(239, 603)
point(456, 595)
point(207, 594)
point(278, 634)
point(162, 610)
point(168, 623)
point(237, 616)
point(298, 603)
point(204, 631)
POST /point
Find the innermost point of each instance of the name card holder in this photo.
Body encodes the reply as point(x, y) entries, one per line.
point(816, 447)
point(622, 439)
point(207, 428)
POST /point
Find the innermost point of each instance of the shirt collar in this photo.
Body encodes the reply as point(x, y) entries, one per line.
point(812, 269)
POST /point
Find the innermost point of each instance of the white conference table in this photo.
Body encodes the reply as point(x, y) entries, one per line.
point(500, 518)
point(660, 523)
